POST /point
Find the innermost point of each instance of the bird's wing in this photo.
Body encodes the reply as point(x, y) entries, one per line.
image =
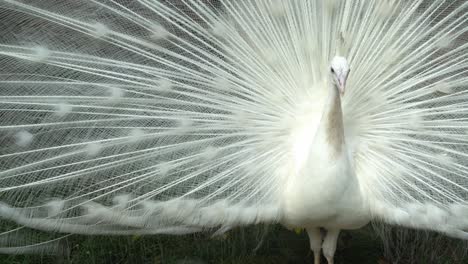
point(406, 118)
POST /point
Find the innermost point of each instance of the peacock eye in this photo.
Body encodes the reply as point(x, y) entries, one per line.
point(332, 70)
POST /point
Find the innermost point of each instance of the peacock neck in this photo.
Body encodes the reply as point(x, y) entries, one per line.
point(332, 122)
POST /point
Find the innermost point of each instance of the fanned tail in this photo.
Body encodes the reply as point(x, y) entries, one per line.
point(191, 109)
point(165, 102)
point(407, 123)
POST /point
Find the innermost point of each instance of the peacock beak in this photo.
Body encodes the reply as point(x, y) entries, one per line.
point(342, 83)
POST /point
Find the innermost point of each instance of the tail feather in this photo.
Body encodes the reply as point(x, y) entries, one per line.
point(192, 109)
point(451, 220)
point(170, 217)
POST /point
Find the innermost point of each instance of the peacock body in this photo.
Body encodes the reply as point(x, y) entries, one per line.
point(161, 117)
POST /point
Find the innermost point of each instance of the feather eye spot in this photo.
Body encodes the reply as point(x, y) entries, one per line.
point(55, 207)
point(238, 116)
point(277, 9)
point(331, 5)
point(184, 124)
point(165, 85)
point(136, 134)
point(116, 93)
point(219, 29)
point(385, 9)
point(444, 158)
point(62, 109)
point(415, 121)
point(390, 57)
point(93, 149)
point(99, 30)
point(24, 138)
point(277, 95)
point(40, 54)
point(221, 82)
point(121, 201)
point(209, 153)
point(271, 57)
point(444, 43)
point(443, 87)
point(164, 168)
point(159, 32)
point(6, 210)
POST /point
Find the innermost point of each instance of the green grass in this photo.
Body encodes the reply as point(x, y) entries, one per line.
point(243, 246)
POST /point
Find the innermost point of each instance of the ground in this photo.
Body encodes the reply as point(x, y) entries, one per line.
point(257, 245)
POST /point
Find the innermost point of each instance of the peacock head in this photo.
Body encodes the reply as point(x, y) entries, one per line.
point(339, 72)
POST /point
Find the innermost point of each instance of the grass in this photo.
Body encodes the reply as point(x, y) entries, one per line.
point(243, 246)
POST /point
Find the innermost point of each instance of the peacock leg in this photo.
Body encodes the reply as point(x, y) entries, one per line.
point(329, 244)
point(315, 238)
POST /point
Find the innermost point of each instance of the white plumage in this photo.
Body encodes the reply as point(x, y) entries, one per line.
point(150, 117)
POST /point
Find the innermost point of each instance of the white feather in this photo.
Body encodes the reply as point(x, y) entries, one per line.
point(136, 135)
point(100, 30)
point(40, 54)
point(159, 32)
point(93, 149)
point(62, 109)
point(24, 138)
point(150, 119)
